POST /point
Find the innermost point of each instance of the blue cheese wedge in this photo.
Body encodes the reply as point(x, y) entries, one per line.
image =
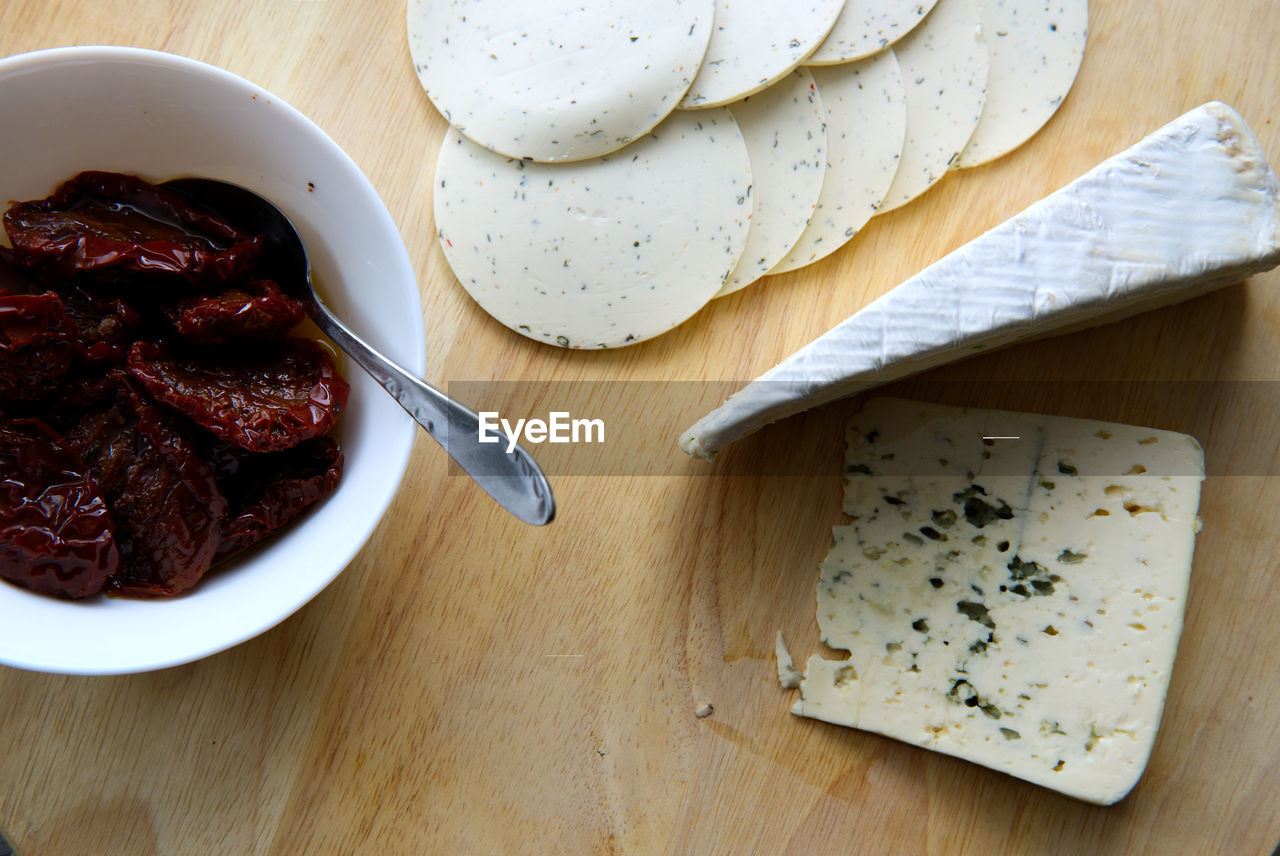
point(557, 80)
point(1016, 602)
point(1036, 49)
point(1191, 208)
point(756, 43)
point(600, 253)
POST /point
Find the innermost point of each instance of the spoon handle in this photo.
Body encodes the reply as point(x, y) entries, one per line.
point(512, 478)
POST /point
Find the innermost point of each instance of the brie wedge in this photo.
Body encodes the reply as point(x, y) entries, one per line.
point(1191, 208)
point(1016, 602)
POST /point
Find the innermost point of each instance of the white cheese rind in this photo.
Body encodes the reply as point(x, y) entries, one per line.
point(866, 27)
point(756, 43)
point(600, 253)
point(786, 133)
point(557, 80)
point(944, 65)
point(1036, 49)
point(1191, 208)
point(860, 165)
point(1013, 602)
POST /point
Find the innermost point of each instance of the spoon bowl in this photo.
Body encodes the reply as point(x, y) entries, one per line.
point(511, 477)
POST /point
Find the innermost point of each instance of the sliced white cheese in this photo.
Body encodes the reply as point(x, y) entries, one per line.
point(786, 134)
point(944, 64)
point(866, 122)
point(867, 26)
point(1191, 208)
point(756, 43)
point(599, 253)
point(557, 80)
point(1036, 49)
point(1016, 602)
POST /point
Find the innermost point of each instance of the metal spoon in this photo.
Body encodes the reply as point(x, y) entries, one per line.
point(512, 478)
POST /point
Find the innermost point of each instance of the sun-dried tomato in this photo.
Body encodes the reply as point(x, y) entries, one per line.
point(105, 325)
point(147, 341)
point(257, 309)
point(108, 223)
point(56, 534)
point(38, 345)
point(263, 397)
point(165, 502)
point(268, 491)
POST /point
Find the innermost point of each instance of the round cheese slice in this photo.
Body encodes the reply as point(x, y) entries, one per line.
point(944, 64)
point(599, 253)
point(1036, 49)
point(866, 124)
point(557, 80)
point(868, 26)
point(786, 135)
point(754, 44)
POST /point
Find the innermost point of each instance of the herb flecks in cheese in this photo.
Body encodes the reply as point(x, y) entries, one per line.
point(944, 63)
point(556, 80)
point(860, 166)
point(601, 253)
point(756, 43)
point(866, 27)
point(786, 134)
point(1036, 49)
point(1038, 637)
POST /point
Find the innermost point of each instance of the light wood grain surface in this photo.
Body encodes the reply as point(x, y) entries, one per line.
point(472, 685)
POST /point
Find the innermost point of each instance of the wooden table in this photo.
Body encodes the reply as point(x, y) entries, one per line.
point(472, 685)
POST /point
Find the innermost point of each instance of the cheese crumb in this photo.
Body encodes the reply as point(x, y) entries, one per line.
point(788, 675)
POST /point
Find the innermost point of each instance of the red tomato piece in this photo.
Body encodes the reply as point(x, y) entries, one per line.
point(56, 533)
point(263, 397)
point(108, 223)
point(268, 491)
point(38, 345)
point(257, 309)
point(167, 506)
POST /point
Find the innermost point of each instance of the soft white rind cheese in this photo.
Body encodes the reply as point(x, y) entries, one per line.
point(1192, 207)
point(1013, 602)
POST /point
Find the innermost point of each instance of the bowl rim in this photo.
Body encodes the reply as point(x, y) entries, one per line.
point(406, 437)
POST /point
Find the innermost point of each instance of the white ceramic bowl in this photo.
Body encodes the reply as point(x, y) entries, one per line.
point(162, 116)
